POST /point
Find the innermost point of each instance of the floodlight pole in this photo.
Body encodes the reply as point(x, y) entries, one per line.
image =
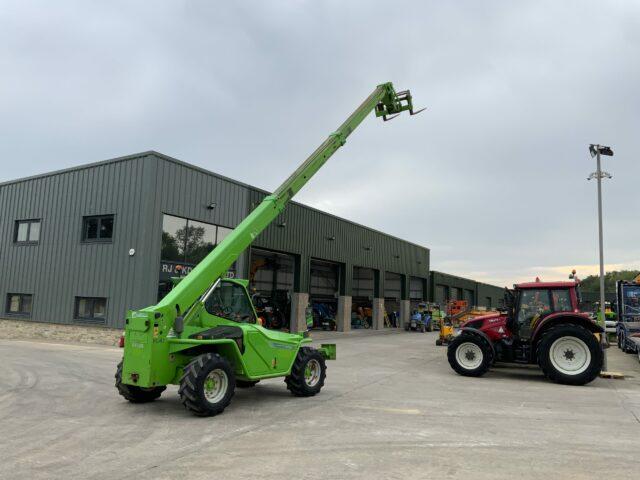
point(599, 174)
point(603, 339)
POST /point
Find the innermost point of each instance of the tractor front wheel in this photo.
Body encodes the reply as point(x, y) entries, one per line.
point(207, 385)
point(307, 374)
point(470, 355)
point(569, 354)
point(136, 394)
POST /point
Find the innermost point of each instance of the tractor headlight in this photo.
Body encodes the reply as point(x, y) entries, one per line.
point(456, 332)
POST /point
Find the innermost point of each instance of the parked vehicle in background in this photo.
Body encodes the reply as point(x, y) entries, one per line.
point(610, 317)
point(628, 325)
point(541, 325)
point(323, 316)
point(420, 322)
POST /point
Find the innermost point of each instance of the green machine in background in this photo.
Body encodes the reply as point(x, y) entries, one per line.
point(203, 334)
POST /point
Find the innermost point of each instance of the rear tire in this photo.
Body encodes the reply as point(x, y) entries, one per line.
point(307, 374)
point(569, 354)
point(470, 355)
point(207, 386)
point(136, 394)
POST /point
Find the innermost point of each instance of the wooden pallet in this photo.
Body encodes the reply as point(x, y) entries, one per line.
point(614, 375)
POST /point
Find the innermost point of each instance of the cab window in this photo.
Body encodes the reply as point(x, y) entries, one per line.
point(561, 300)
point(534, 304)
point(230, 301)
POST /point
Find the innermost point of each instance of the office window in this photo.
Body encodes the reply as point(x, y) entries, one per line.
point(97, 228)
point(92, 309)
point(19, 304)
point(27, 231)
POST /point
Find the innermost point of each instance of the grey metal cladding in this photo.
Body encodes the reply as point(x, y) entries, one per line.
point(481, 290)
point(185, 190)
point(310, 232)
point(138, 189)
point(61, 267)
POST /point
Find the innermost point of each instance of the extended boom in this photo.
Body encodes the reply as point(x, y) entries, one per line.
point(205, 335)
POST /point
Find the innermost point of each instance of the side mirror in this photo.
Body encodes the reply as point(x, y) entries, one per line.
point(178, 324)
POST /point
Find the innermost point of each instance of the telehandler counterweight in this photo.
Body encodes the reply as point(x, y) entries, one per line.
point(203, 334)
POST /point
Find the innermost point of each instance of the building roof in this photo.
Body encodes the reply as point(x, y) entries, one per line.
point(162, 156)
point(546, 285)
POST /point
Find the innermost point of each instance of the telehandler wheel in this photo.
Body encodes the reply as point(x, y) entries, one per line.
point(207, 385)
point(569, 354)
point(307, 374)
point(470, 355)
point(246, 384)
point(136, 394)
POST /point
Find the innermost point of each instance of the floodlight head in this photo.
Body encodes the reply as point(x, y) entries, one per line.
point(606, 151)
point(594, 149)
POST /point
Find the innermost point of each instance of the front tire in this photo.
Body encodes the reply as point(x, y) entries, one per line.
point(207, 386)
point(136, 394)
point(307, 373)
point(569, 354)
point(470, 355)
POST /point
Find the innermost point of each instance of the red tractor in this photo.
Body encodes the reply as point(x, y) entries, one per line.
point(541, 325)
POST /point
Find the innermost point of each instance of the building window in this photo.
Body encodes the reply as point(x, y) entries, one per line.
point(91, 309)
point(97, 228)
point(185, 243)
point(27, 231)
point(19, 304)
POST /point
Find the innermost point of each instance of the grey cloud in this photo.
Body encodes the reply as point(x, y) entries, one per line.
point(494, 173)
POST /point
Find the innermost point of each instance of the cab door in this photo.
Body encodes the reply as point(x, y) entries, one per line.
point(533, 305)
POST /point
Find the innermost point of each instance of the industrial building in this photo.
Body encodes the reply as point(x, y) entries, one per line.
point(444, 287)
point(85, 244)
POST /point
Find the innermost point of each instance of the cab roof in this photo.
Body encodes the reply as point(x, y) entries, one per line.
point(545, 285)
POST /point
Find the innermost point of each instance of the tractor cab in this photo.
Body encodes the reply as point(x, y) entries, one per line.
point(533, 302)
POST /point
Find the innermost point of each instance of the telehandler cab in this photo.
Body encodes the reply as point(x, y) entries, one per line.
point(541, 325)
point(203, 334)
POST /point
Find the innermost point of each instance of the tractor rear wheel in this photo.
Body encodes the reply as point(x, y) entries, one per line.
point(569, 354)
point(470, 355)
point(136, 394)
point(207, 385)
point(307, 374)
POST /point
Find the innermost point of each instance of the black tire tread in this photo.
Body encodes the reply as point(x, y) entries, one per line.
point(295, 380)
point(586, 377)
point(487, 352)
point(136, 394)
point(188, 391)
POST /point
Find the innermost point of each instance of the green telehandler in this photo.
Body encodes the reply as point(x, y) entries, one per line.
point(203, 335)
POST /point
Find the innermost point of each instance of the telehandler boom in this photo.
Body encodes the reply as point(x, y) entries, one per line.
point(203, 334)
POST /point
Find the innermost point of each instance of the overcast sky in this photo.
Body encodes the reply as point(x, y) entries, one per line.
point(492, 177)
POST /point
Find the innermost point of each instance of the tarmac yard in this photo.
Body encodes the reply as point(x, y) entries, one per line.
point(391, 408)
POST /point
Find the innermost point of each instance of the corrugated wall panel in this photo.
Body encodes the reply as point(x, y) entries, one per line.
point(306, 233)
point(61, 267)
point(138, 190)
